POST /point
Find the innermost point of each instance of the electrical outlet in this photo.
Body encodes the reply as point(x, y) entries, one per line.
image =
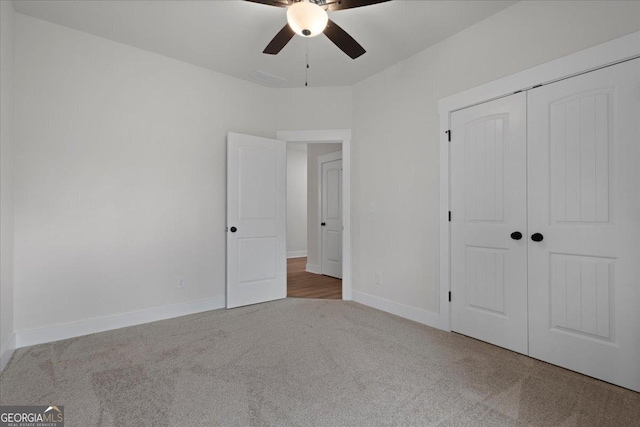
point(181, 282)
point(378, 278)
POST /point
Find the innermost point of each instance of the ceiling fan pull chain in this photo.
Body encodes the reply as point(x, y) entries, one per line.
point(306, 70)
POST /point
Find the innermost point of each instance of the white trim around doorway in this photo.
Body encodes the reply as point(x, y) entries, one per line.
point(337, 136)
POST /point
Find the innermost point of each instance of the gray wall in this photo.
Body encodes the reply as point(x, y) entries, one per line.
point(395, 132)
point(121, 172)
point(7, 20)
point(296, 199)
point(120, 159)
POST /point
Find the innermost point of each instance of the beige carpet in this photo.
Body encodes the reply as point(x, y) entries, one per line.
point(303, 363)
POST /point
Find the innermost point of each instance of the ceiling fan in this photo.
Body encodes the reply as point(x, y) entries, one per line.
point(309, 18)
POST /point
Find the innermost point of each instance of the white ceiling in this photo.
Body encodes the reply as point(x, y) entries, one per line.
point(229, 35)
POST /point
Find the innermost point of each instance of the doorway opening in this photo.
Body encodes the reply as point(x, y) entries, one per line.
point(314, 220)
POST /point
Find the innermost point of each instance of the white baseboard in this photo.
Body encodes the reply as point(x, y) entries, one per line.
point(100, 324)
point(313, 268)
point(297, 254)
point(419, 315)
point(6, 351)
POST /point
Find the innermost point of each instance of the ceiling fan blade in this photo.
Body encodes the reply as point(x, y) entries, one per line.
point(277, 3)
point(279, 41)
point(344, 41)
point(350, 4)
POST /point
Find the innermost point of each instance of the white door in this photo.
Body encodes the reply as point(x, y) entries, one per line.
point(584, 200)
point(488, 205)
point(256, 220)
point(331, 218)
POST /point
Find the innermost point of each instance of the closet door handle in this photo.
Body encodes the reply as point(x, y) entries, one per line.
point(233, 229)
point(537, 237)
point(516, 235)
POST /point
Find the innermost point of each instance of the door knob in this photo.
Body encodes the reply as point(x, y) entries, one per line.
point(233, 229)
point(537, 237)
point(516, 235)
point(323, 224)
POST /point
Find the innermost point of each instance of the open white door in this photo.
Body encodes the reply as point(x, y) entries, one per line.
point(256, 220)
point(331, 218)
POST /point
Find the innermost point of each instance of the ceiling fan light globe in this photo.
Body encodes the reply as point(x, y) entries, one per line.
point(307, 19)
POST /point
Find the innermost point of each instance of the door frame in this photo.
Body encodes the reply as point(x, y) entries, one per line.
point(325, 158)
point(336, 136)
point(602, 55)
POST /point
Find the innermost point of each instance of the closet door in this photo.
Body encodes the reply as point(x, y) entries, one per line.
point(488, 204)
point(584, 202)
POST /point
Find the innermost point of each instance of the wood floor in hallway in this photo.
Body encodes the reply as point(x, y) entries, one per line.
point(301, 284)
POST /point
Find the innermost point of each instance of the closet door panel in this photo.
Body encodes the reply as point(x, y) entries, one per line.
point(488, 203)
point(584, 199)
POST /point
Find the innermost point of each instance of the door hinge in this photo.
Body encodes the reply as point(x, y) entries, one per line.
point(449, 216)
point(449, 296)
point(448, 135)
